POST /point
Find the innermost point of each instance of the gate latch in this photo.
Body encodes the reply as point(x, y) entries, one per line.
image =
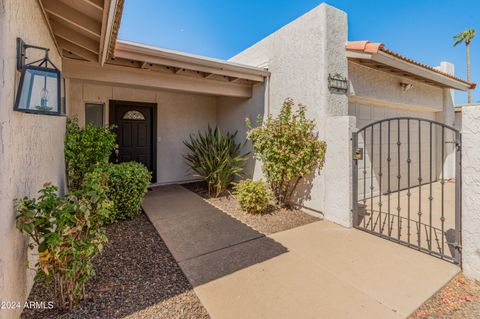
point(358, 154)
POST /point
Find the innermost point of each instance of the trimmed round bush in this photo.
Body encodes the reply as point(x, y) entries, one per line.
point(253, 196)
point(127, 184)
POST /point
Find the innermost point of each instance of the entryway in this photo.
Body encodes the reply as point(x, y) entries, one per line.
point(407, 184)
point(319, 270)
point(136, 133)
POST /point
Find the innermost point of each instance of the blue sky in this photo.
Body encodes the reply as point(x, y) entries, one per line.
point(419, 29)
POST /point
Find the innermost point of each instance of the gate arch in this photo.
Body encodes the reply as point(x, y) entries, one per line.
point(407, 184)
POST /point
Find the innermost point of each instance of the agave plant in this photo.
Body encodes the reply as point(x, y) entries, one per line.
point(216, 158)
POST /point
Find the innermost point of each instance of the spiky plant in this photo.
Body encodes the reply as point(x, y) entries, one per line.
point(216, 158)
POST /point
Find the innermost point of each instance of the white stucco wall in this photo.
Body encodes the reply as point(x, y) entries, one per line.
point(379, 85)
point(31, 146)
point(178, 115)
point(300, 56)
point(470, 191)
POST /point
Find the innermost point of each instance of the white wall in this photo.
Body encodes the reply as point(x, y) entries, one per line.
point(31, 146)
point(178, 115)
point(471, 191)
point(370, 83)
point(300, 56)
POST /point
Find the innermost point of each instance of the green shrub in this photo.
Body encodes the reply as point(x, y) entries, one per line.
point(68, 236)
point(215, 158)
point(289, 149)
point(253, 196)
point(84, 149)
point(127, 185)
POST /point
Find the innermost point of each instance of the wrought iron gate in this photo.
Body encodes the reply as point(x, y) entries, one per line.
point(407, 184)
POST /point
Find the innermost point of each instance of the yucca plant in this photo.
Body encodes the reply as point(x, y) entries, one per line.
point(216, 158)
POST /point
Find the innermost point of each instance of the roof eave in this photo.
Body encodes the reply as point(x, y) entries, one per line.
point(395, 62)
point(144, 53)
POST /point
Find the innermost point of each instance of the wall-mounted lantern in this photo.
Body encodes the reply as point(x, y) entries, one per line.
point(39, 89)
point(337, 83)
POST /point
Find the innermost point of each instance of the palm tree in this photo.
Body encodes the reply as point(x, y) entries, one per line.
point(466, 36)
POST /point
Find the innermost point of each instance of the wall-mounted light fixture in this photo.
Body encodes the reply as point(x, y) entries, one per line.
point(406, 86)
point(39, 89)
point(337, 83)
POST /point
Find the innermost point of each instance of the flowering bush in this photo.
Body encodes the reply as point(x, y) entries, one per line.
point(289, 149)
point(253, 196)
point(68, 235)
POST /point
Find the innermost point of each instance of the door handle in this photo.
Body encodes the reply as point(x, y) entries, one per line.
point(117, 152)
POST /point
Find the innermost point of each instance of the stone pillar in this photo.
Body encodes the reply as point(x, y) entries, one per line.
point(471, 191)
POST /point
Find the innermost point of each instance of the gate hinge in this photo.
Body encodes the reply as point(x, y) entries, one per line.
point(455, 245)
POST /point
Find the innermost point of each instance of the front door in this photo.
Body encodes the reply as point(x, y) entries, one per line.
point(135, 128)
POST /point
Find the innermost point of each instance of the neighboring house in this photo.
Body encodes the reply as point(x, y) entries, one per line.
point(157, 97)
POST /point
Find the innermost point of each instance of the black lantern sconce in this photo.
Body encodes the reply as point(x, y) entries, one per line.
point(39, 89)
point(337, 83)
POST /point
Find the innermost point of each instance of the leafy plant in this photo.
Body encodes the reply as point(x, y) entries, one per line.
point(253, 196)
point(127, 185)
point(216, 158)
point(84, 149)
point(289, 149)
point(68, 236)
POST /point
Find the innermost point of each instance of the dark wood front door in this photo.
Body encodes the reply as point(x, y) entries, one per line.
point(136, 133)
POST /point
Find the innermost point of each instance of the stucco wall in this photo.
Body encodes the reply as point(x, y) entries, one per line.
point(31, 146)
point(470, 191)
point(178, 115)
point(371, 83)
point(300, 56)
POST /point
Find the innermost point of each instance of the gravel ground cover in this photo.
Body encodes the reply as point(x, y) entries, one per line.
point(459, 299)
point(136, 277)
point(272, 221)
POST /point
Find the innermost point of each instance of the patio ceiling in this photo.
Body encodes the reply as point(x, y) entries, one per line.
point(83, 29)
point(140, 65)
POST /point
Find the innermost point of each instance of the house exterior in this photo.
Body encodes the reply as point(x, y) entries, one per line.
point(158, 97)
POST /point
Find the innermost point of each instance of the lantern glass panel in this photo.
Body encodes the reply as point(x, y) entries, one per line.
point(39, 91)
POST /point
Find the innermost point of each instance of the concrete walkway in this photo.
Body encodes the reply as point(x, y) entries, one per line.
point(320, 270)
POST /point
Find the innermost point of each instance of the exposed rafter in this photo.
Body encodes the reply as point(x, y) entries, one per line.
point(82, 28)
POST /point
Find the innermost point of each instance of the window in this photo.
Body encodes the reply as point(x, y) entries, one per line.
point(94, 114)
point(133, 115)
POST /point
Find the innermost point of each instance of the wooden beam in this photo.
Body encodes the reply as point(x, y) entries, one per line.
point(138, 56)
point(72, 47)
point(70, 35)
point(109, 7)
point(145, 78)
point(209, 75)
point(86, 7)
point(60, 11)
point(97, 4)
